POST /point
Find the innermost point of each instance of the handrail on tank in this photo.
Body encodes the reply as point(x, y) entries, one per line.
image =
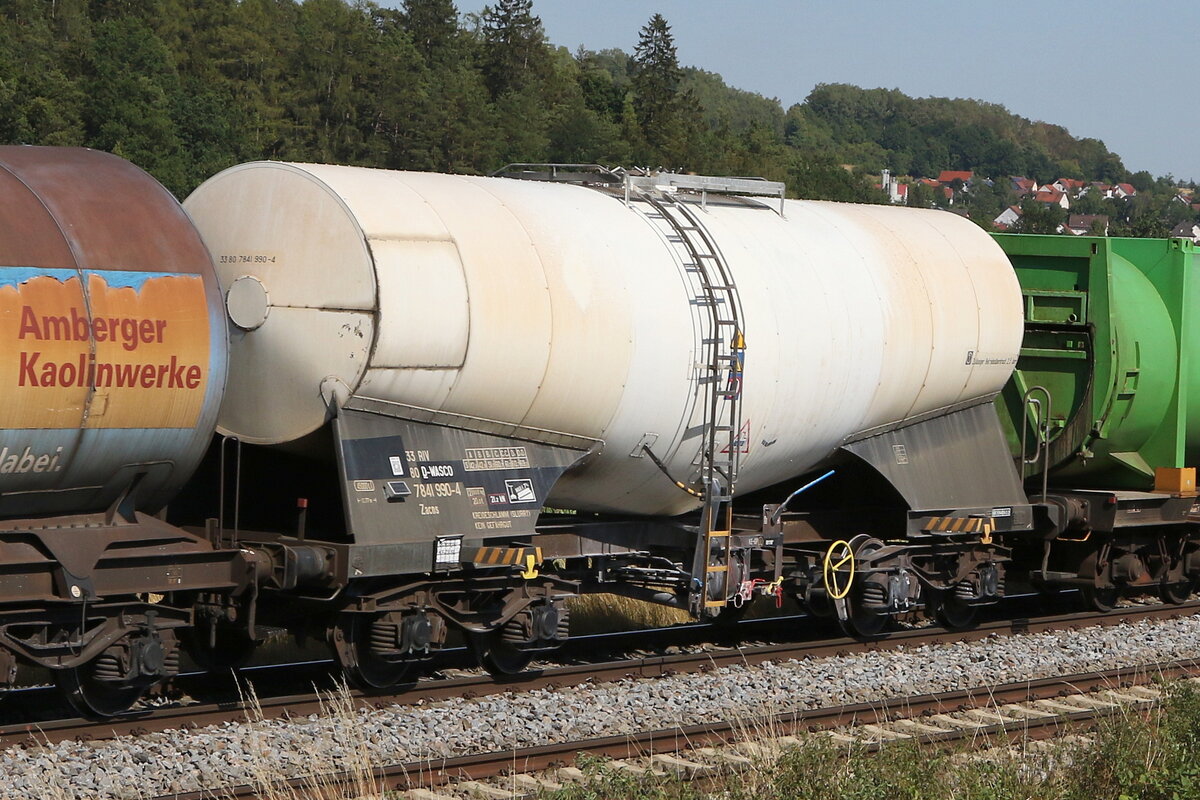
point(559, 173)
point(1042, 442)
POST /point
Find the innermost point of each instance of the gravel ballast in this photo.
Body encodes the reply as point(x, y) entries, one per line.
point(185, 761)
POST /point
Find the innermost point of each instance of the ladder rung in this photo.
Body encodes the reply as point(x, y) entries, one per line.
point(714, 603)
point(727, 322)
point(711, 534)
point(722, 568)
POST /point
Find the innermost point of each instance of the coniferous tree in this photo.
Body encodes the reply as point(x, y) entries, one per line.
point(656, 77)
point(514, 46)
point(433, 28)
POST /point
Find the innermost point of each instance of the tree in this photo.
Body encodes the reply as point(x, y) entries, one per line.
point(656, 77)
point(433, 27)
point(1039, 217)
point(514, 47)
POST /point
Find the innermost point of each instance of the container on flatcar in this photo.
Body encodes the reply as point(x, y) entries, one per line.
point(1111, 336)
point(115, 343)
point(566, 308)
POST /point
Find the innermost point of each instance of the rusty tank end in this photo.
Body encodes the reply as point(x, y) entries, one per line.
point(114, 346)
point(113, 352)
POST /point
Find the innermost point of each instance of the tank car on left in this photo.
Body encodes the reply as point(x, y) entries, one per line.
point(111, 375)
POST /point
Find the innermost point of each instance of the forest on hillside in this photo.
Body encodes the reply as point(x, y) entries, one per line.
point(185, 88)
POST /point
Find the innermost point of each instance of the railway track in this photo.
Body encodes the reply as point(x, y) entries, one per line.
point(1026, 710)
point(198, 715)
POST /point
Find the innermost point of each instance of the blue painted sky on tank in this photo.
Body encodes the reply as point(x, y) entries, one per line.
point(118, 279)
point(1114, 70)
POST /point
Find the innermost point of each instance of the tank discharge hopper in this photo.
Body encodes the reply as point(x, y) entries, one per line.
point(565, 308)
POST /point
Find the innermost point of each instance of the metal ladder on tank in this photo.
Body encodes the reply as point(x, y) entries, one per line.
point(724, 348)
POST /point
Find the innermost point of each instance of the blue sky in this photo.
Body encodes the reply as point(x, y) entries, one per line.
point(1123, 72)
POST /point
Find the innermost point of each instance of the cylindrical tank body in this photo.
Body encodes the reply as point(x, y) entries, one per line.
point(562, 307)
point(116, 341)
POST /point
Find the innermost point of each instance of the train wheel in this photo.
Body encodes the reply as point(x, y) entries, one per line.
point(1100, 598)
point(94, 698)
point(497, 656)
point(351, 640)
point(864, 623)
point(1175, 592)
point(861, 621)
point(953, 613)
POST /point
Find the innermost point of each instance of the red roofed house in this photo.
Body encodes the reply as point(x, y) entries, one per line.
point(1069, 186)
point(949, 176)
point(1023, 186)
point(1124, 190)
point(1052, 197)
point(1104, 189)
point(1008, 217)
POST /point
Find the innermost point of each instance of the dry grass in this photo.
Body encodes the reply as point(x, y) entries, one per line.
point(605, 613)
point(326, 775)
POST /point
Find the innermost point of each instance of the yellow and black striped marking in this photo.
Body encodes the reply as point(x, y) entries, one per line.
point(507, 556)
point(981, 525)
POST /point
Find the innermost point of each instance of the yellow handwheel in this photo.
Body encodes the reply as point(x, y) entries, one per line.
point(837, 557)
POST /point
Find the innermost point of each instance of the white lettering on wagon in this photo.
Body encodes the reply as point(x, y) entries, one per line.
point(19, 462)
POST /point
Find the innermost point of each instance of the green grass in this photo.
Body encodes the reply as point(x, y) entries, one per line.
point(1135, 755)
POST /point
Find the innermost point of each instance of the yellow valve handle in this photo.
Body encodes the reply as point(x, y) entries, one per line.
point(833, 568)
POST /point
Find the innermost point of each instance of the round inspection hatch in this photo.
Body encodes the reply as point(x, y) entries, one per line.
point(247, 303)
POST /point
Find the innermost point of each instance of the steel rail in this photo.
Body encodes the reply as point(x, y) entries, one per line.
point(436, 772)
point(301, 705)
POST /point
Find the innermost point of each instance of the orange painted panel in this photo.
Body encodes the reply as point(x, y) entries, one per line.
point(135, 356)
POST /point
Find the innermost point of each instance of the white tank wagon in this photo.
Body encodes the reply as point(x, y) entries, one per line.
point(564, 308)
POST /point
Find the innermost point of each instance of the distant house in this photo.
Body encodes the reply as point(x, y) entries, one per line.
point(1051, 196)
point(1069, 186)
point(1023, 184)
point(1103, 189)
point(949, 176)
point(1008, 217)
point(1186, 230)
point(1123, 190)
point(1083, 224)
point(929, 182)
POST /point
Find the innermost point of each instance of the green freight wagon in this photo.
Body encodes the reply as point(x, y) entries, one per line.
point(1107, 387)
